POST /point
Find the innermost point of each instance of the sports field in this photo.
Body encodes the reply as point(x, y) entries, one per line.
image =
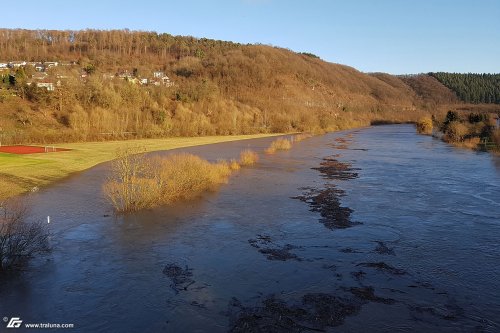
point(22, 149)
point(22, 172)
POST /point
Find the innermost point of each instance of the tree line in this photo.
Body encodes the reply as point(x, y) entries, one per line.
point(472, 88)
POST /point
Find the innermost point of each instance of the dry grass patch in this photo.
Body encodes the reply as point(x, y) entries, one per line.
point(279, 144)
point(248, 157)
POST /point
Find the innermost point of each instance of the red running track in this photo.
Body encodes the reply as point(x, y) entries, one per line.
point(29, 149)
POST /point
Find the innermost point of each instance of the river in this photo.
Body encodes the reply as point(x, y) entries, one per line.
point(369, 230)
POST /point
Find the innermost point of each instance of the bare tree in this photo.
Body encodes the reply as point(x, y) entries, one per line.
point(19, 238)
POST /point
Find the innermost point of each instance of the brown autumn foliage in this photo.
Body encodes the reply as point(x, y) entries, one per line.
point(219, 88)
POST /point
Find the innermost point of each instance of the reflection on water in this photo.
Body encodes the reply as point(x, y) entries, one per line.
point(424, 257)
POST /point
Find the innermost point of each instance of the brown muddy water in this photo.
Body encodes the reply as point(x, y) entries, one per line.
point(370, 230)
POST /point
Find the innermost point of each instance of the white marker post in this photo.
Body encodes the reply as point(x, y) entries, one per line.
point(48, 219)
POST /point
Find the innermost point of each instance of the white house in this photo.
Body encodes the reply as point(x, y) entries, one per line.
point(17, 64)
point(39, 67)
point(49, 64)
point(158, 74)
point(47, 85)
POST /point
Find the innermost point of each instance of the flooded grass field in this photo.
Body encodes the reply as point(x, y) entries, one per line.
point(370, 230)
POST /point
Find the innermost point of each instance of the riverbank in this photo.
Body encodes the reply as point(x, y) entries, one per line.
point(22, 173)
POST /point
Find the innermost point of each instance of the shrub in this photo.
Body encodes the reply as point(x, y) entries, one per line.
point(19, 239)
point(471, 143)
point(456, 131)
point(279, 144)
point(138, 182)
point(424, 125)
point(234, 165)
point(185, 176)
point(248, 157)
point(133, 185)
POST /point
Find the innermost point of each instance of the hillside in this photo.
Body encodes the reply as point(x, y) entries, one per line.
point(99, 85)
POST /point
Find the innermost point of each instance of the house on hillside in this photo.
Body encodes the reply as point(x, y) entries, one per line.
point(17, 64)
point(158, 74)
point(43, 83)
point(4, 65)
point(46, 84)
point(39, 67)
point(164, 81)
point(49, 64)
point(124, 75)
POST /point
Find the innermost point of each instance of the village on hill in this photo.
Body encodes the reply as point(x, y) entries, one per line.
point(51, 74)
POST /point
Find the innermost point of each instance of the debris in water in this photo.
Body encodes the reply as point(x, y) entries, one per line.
point(382, 266)
point(314, 313)
point(272, 251)
point(181, 277)
point(383, 249)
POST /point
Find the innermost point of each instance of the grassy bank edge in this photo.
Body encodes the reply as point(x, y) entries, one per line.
point(22, 173)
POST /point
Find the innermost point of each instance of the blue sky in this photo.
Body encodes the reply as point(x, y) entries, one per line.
point(394, 36)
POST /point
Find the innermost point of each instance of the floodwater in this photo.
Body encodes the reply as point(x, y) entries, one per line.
point(370, 230)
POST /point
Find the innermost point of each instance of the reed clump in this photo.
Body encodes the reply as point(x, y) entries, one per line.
point(279, 144)
point(139, 182)
point(234, 165)
point(425, 125)
point(248, 157)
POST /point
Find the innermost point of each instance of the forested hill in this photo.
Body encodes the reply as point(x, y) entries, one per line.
point(472, 88)
point(97, 85)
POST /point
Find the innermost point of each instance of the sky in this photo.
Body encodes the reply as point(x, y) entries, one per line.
point(392, 36)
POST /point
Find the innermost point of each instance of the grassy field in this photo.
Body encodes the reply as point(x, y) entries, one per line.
point(20, 173)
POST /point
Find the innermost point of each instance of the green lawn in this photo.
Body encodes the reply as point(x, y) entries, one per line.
point(20, 173)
